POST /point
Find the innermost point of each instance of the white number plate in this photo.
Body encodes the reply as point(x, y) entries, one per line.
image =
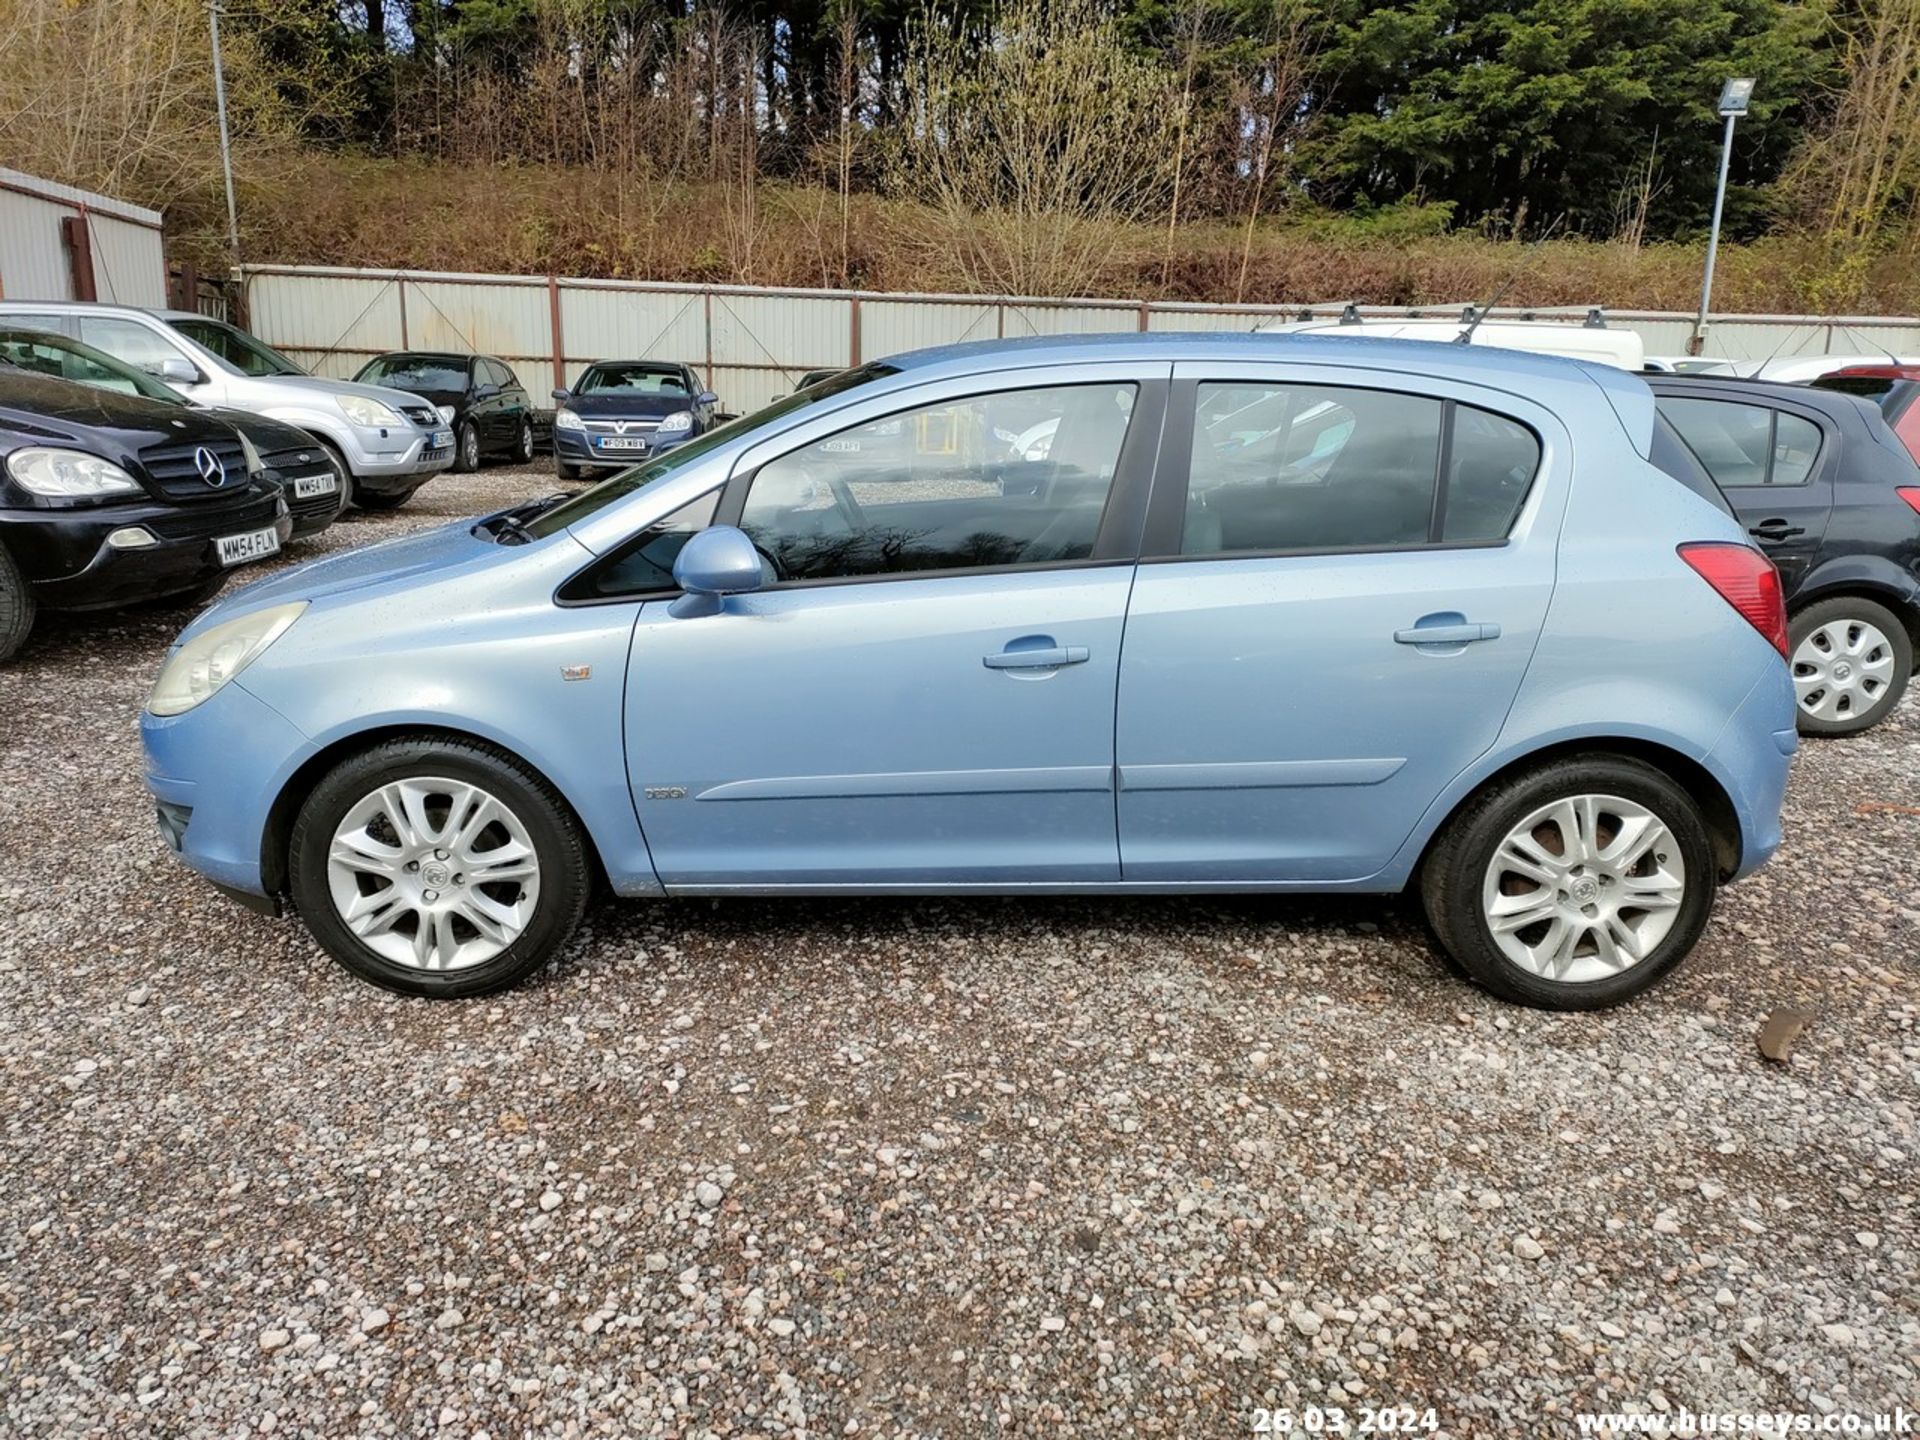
point(305, 486)
point(255, 545)
point(440, 439)
point(621, 442)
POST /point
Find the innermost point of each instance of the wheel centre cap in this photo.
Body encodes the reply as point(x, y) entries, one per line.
point(1585, 890)
point(1842, 670)
point(434, 874)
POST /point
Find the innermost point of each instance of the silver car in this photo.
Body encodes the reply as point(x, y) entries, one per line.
point(388, 441)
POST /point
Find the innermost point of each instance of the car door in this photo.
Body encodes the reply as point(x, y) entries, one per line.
point(923, 693)
point(1772, 463)
point(1342, 583)
point(513, 402)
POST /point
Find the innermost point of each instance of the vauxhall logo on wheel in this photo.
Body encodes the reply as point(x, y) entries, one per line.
point(211, 468)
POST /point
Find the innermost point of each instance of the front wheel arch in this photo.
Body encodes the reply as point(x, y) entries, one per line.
point(277, 837)
point(1716, 806)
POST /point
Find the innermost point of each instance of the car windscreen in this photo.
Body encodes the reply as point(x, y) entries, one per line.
point(618, 487)
point(416, 372)
point(48, 354)
point(236, 349)
point(632, 380)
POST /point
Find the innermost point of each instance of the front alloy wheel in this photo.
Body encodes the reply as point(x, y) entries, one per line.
point(433, 873)
point(438, 866)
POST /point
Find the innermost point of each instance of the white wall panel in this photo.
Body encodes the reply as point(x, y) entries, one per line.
point(129, 262)
point(889, 327)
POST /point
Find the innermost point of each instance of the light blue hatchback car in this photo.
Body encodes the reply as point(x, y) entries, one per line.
point(1137, 614)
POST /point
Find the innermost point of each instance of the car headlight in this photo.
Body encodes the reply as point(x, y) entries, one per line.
point(446, 412)
point(68, 474)
point(362, 411)
point(565, 419)
point(213, 657)
point(676, 422)
point(247, 448)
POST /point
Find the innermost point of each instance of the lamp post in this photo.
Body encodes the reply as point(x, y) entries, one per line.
point(1734, 97)
point(226, 153)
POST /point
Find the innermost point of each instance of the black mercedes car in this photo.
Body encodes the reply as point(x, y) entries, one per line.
point(478, 395)
point(288, 456)
point(107, 499)
point(1833, 497)
point(620, 411)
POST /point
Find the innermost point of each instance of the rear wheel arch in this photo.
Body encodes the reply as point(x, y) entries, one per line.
point(276, 838)
point(1905, 604)
point(1716, 806)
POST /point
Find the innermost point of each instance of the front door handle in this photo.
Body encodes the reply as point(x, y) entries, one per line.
point(1464, 633)
point(1050, 658)
point(1775, 530)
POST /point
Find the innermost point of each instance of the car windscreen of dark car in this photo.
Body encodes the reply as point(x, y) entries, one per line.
point(618, 487)
point(235, 348)
point(632, 380)
point(64, 359)
point(416, 372)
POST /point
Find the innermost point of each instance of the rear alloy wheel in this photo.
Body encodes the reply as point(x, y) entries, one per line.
point(523, 447)
point(466, 448)
point(1851, 661)
point(438, 867)
point(17, 607)
point(1573, 886)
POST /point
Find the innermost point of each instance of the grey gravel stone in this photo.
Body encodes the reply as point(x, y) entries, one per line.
point(268, 1145)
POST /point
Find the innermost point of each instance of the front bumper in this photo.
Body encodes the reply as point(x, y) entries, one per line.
point(578, 449)
point(391, 458)
point(213, 773)
point(65, 556)
point(312, 513)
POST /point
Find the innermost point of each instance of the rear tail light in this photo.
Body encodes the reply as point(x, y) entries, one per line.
point(1910, 494)
point(1747, 581)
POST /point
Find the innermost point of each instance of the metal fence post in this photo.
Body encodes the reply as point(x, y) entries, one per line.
point(559, 340)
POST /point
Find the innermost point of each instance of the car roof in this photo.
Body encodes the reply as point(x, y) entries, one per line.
point(650, 364)
point(1318, 348)
point(453, 355)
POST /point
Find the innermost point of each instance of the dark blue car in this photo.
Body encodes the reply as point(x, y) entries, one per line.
point(620, 411)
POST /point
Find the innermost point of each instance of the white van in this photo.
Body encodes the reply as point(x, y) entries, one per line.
point(1621, 349)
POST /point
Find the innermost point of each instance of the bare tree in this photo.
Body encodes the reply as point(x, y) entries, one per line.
point(1036, 143)
point(1280, 88)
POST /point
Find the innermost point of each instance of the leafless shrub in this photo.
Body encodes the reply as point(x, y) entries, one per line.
point(1033, 142)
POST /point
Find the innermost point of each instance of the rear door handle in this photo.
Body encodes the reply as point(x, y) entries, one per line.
point(1461, 634)
point(1050, 658)
point(1775, 530)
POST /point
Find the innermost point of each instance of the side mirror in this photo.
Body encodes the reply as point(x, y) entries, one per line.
point(706, 397)
point(559, 394)
point(176, 371)
point(718, 562)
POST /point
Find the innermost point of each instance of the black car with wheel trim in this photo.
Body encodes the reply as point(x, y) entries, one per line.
point(1827, 488)
point(108, 499)
point(307, 475)
point(478, 395)
point(621, 411)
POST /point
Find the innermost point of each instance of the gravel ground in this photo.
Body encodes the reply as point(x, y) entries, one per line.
point(926, 1167)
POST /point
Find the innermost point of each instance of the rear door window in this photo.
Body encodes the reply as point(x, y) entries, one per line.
point(1744, 446)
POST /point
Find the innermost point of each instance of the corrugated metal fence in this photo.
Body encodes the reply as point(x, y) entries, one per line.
point(114, 253)
point(754, 344)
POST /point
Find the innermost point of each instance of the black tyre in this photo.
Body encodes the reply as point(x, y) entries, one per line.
point(348, 490)
point(568, 471)
point(466, 448)
point(192, 598)
point(438, 866)
point(17, 607)
point(1572, 886)
point(383, 501)
point(1851, 662)
point(523, 443)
